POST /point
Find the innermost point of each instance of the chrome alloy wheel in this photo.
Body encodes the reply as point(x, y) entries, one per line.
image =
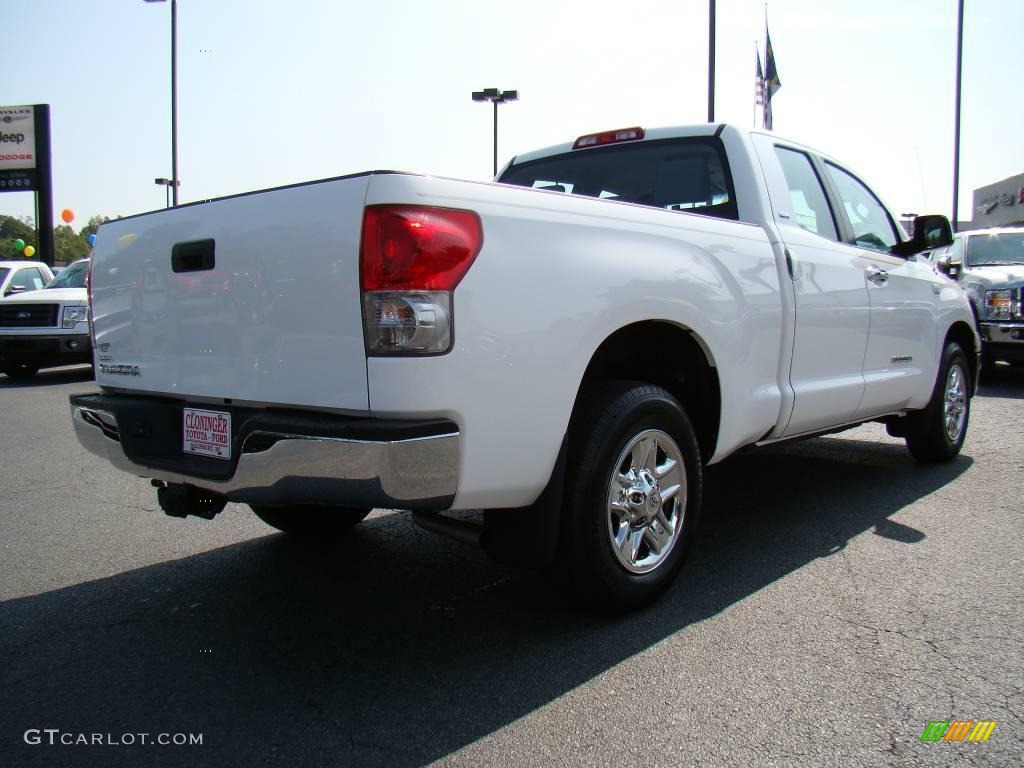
point(646, 501)
point(954, 403)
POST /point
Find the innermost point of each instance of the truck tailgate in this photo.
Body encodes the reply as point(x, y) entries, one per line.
point(253, 298)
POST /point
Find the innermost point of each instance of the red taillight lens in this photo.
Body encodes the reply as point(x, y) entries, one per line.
point(609, 137)
point(417, 247)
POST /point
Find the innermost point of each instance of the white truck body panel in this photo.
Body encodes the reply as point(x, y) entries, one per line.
point(583, 268)
point(278, 319)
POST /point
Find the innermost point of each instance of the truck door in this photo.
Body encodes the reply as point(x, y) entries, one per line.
point(830, 294)
point(903, 303)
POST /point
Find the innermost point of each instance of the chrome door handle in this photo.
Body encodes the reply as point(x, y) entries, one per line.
point(877, 276)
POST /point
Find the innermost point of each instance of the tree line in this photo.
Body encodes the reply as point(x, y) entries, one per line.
point(68, 245)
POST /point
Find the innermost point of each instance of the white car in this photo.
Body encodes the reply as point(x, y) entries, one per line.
point(46, 327)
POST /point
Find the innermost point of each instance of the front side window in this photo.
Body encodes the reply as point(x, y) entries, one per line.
point(872, 225)
point(28, 279)
point(999, 248)
point(677, 174)
point(810, 206)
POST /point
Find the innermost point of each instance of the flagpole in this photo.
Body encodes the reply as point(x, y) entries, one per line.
point(711, 61)
point(956, 122)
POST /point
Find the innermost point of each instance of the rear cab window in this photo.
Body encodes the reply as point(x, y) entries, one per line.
point(688, 174)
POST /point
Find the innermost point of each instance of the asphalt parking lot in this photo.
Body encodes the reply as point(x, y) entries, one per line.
point(839, 598)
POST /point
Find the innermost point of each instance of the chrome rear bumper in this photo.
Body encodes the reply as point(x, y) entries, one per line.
point(279, 469)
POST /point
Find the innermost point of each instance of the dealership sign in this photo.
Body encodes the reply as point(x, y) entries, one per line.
point(1005, 199)
point(18, 156)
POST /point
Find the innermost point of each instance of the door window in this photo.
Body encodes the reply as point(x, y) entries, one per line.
point(28, 279)
point(810, 206)
point(872, 225)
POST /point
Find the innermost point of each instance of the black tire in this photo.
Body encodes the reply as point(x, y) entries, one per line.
point(21, 371)
point(311, 520)
point(937, 433)
point(614, 418)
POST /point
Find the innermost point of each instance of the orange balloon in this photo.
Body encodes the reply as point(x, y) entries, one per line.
point(68, 215)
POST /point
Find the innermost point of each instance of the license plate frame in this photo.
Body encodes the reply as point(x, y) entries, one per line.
point(206, 433)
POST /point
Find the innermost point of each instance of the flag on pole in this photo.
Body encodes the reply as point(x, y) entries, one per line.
point(771, 79)
point(758, 84)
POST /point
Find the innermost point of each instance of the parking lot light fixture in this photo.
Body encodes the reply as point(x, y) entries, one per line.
point(168, 184)
point(496, 97)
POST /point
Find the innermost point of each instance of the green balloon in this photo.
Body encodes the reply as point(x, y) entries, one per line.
point(19, 244)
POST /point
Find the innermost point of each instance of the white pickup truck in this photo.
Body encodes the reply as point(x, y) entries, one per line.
point(565, 349)
point(46, 327)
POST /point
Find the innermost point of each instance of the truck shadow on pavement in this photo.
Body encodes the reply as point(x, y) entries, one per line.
point(50, 377)
point(1004, 381)
point(395, 647)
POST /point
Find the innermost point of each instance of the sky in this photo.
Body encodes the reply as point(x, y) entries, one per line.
point(273, 92)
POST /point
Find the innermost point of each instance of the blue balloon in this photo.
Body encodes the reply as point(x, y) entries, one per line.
point(91, 240)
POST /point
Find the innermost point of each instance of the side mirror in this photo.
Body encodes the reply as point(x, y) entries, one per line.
point(935, 230)
point(930, 232)
point(947, 266)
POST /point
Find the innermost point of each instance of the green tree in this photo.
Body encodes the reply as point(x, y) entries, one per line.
point(93, 225)
point(11, 229)
point(68, 245)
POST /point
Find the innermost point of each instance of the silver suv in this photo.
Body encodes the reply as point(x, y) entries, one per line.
point(989, 264)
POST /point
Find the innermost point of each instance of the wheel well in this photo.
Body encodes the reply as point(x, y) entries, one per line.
point(962, 334)
point(626, 355)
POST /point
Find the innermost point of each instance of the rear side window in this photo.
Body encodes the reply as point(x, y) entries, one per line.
point(676, 174)
point(810, 206)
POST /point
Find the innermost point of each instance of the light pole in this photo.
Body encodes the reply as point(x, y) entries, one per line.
point(956, 118)
point(165, 183)
point(496, 97)
point(175, 182)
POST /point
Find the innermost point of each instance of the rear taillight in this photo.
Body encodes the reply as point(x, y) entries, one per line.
point(608, 137)
point(411, 259)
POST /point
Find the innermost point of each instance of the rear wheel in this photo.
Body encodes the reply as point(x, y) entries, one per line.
point(311, 520)
point(20, 371)
point(937, 433)
point(634, 490)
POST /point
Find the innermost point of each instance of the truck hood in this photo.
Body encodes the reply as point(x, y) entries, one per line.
point(995, 277)
point(50, 295)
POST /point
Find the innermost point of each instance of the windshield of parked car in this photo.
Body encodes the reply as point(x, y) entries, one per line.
point(4, 271)
point(1000, 248)
point(678, 174)
point(72, 277)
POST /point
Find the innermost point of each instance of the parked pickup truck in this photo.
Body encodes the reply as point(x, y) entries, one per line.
point(565, 349)
point(989, 264)
point(46, 327)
